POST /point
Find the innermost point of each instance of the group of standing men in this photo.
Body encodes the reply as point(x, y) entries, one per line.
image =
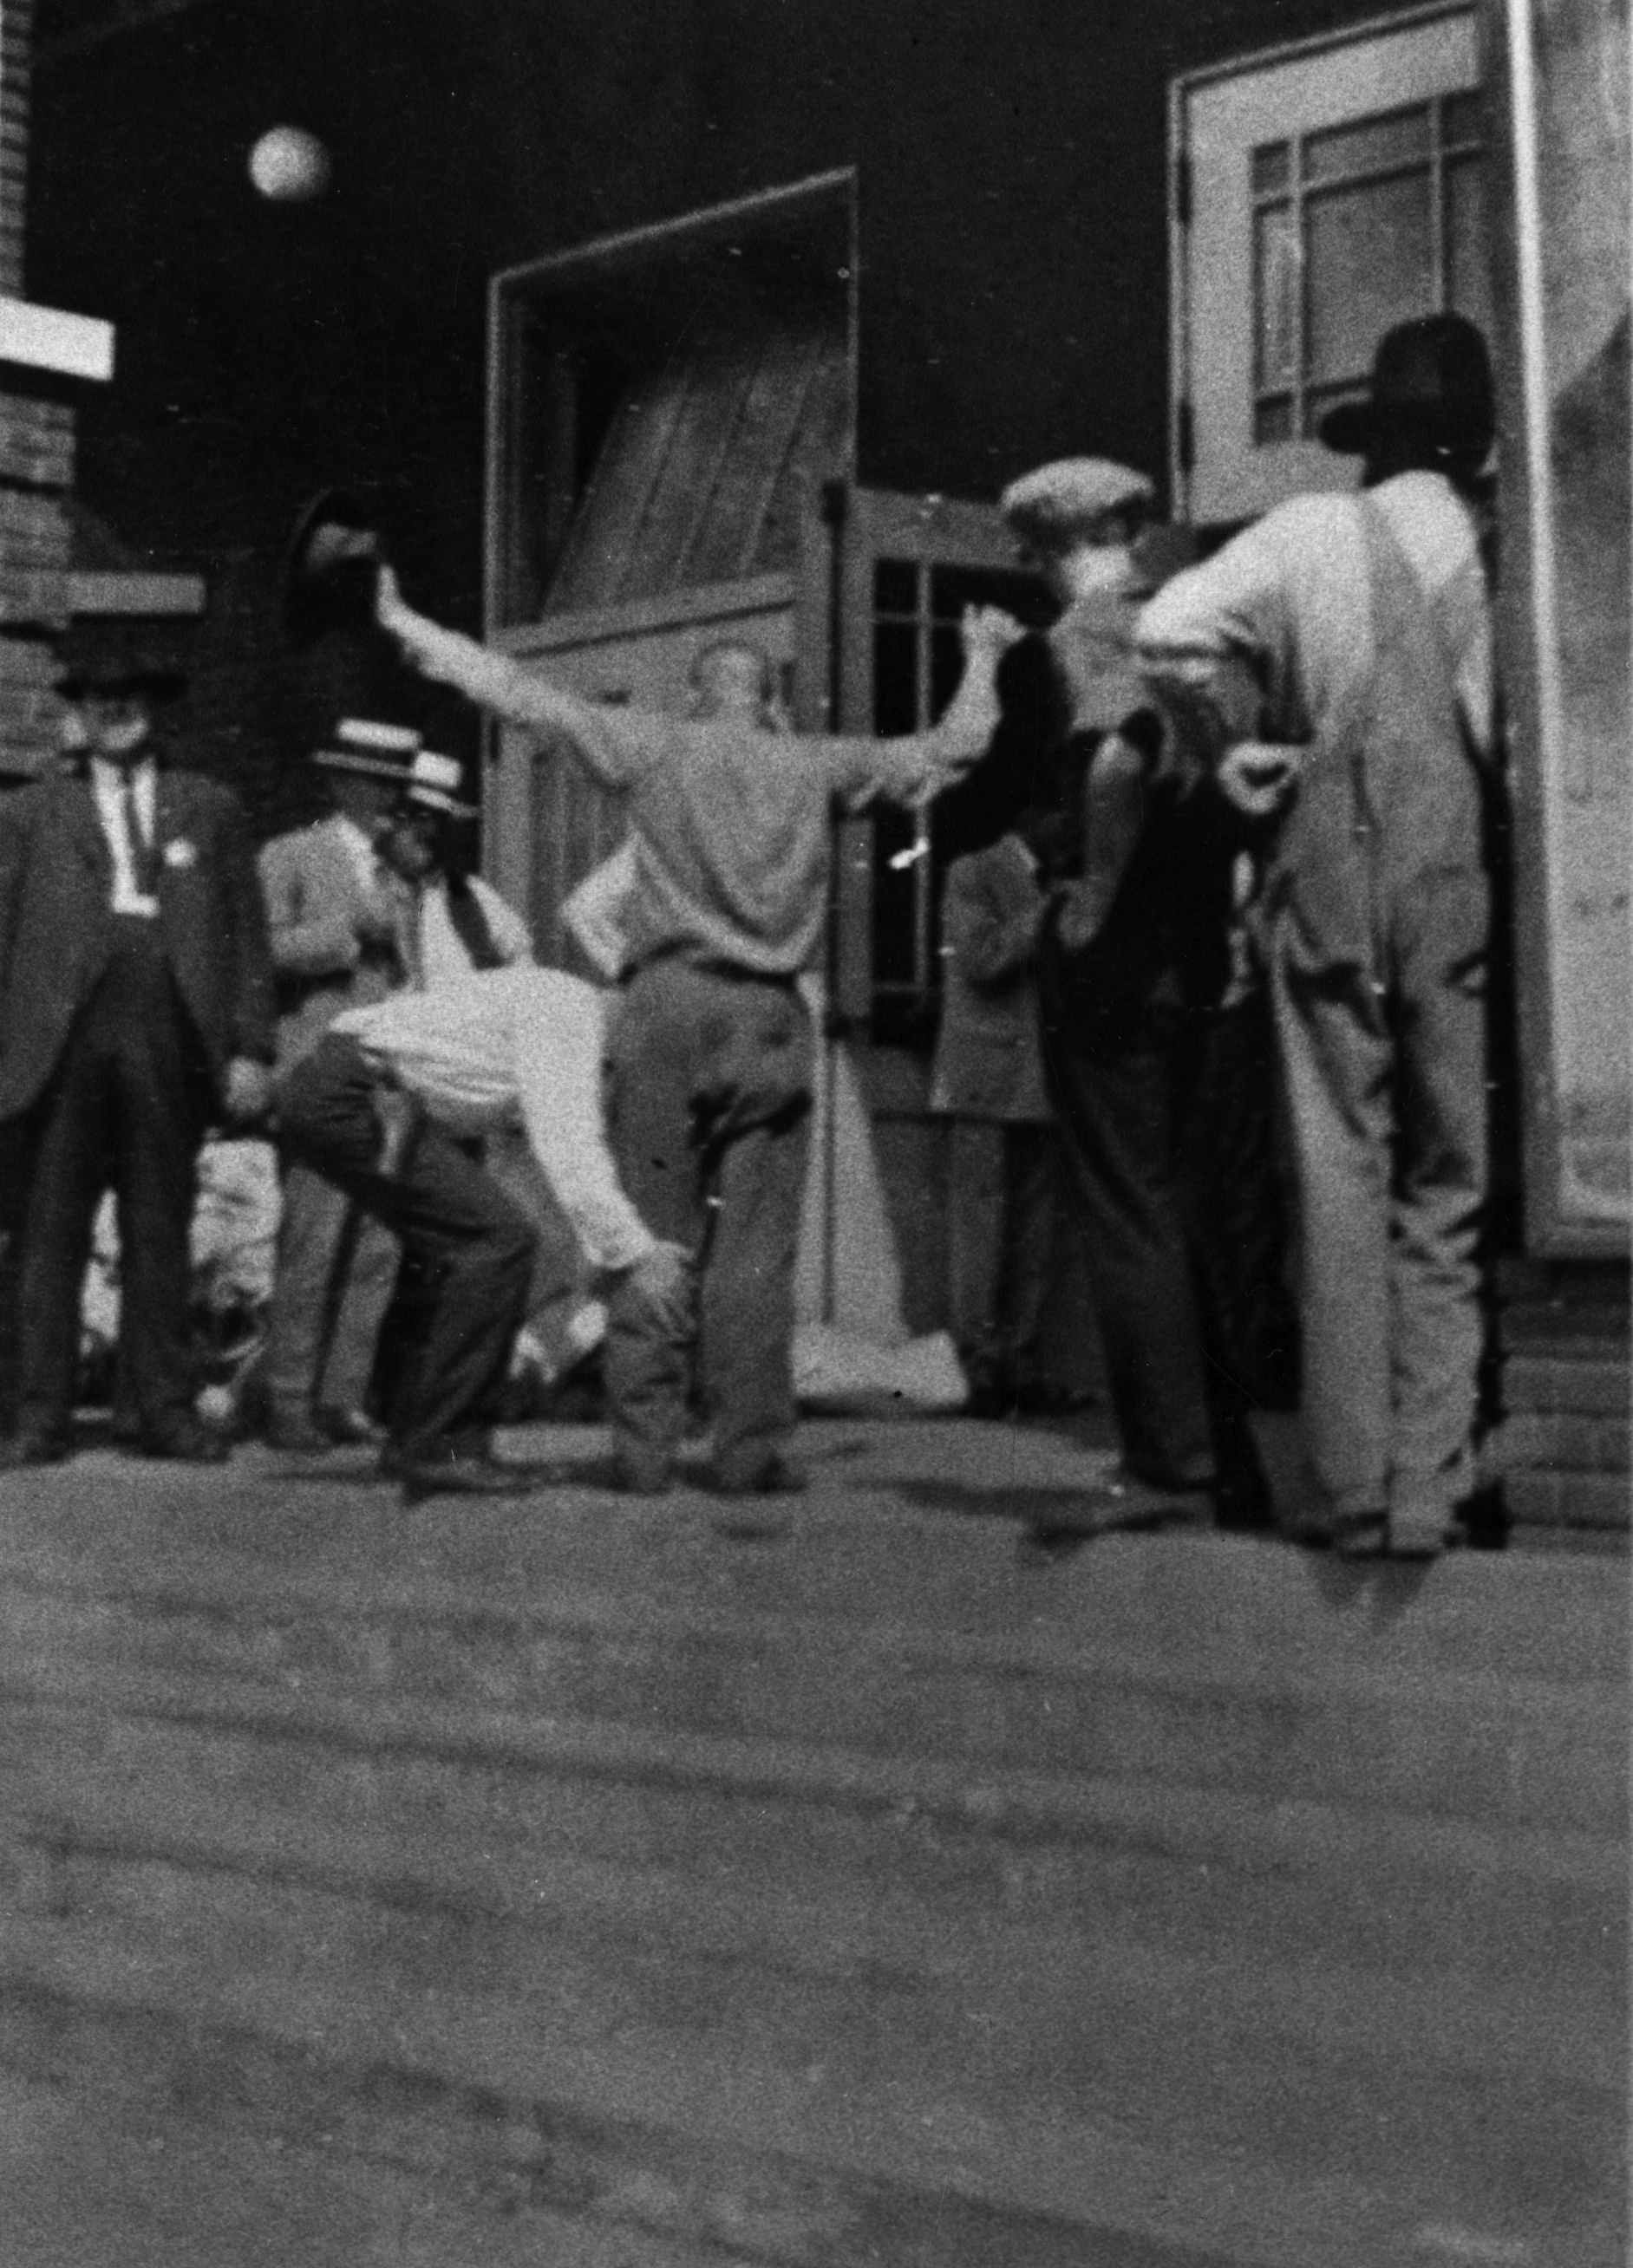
point(1285, 748)
point(1282, 757)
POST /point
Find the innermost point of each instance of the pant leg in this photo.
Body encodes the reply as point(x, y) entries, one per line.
point(1335, 1053)
point(68, 1142)
point(1114, 1101)
point(1031, 1245)
point(311, 1234)
point(369, 1259)
point(975, 1242)
point(747, 1294)
point(451, 1218)
point(1440, 1187)
point(654, 1049)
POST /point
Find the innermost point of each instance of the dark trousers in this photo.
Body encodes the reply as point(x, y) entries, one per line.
point(126, 1109)
point(1130, 1094)
point(1002, 1239)
point(470, 1248)
point(708, 1111)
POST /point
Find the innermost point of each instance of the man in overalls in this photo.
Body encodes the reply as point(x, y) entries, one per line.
point(1337, 655)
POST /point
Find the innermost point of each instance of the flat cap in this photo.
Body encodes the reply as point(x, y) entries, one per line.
point(1061, 501)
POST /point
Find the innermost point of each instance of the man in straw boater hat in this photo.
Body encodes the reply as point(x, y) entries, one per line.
point(1131, 964)
point(135, 1010)
point(1335, 663)
point(456, 921)
point(344, 1113)
point(335, 918)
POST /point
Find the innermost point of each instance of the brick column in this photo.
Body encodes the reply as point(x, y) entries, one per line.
point(36, 451)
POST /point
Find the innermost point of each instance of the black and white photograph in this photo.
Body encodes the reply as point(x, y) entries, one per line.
point(816, 1133)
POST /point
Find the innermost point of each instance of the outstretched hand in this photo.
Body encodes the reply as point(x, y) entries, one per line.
point(988, 632)
point(392, 611)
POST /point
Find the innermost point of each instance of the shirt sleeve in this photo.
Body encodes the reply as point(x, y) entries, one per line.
point(559, 1079)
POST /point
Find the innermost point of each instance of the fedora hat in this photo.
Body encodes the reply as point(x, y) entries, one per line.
point(113, 657)
point(1431, 386)
point(433, 783)
point(332, 568)
point(363, 744)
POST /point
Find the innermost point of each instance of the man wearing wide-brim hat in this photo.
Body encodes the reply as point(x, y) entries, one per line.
point(1335, 661)
point(134, 1011)
point(335, 920)
point(1131, 967)
point(459, 922)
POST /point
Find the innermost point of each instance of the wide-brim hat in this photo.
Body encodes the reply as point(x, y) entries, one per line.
point(433, 783)
point(1057, 505)
point(113, 658)
point(1430, 385)
point(365, 745)
point(332, 571)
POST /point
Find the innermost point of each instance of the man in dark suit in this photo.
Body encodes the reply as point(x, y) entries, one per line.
point(136, 1008)
point(988, 1079)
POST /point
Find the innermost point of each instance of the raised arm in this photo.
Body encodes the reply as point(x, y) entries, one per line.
point(914, 766)
point(614, 743)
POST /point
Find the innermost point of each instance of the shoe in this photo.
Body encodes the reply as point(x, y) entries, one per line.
point(187, 1443)
point(460, 1476)
point(755, 1515)
point(1120, 1504)
point(348, 1429)
point(1421, 1534)
point(31, 1448)
point(298, 1435)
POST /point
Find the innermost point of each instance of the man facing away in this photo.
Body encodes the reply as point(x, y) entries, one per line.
point(1336, 658)
point(136, 1008)
point(710, 1049)
point(334, 919)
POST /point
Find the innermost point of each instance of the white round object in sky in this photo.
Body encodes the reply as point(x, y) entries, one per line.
point(289, 166)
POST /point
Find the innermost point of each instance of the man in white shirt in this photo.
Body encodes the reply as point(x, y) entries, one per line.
point(482, 1053)
point(1335, 661)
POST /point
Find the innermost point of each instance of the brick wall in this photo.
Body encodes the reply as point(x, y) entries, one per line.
point(36, 451)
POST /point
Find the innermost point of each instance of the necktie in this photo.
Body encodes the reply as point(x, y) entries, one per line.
point(143, 865)
point(407, 901)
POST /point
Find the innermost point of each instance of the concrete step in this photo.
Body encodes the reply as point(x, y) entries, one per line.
point(883, 1894)
point(1204, 2130)
point(1523, 1751)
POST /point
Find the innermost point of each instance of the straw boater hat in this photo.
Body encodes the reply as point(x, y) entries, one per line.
point(1058, 505)
point(378, 750)
point(433, 783)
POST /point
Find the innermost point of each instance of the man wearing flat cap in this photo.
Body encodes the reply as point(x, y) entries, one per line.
point(135, 1010)
point(1335, 660)
point(335, 919)
point(1132, 963)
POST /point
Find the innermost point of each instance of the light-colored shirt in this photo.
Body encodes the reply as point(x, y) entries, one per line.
point(108, 784)
point(731, 822)
point(487, 1049)
point(359, 847)
point(1292, 594)
point(441, 955)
